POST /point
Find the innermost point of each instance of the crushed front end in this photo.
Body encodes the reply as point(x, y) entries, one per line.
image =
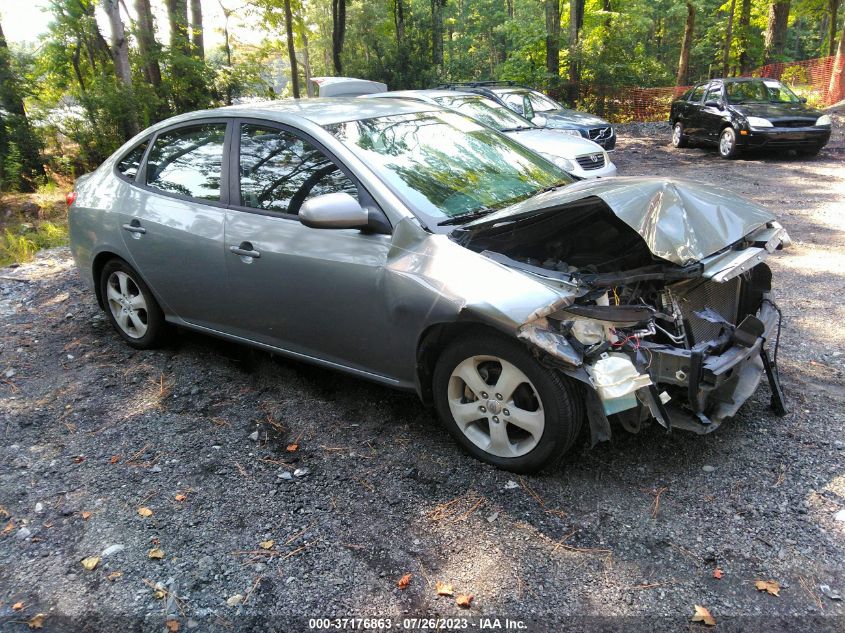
point(684, 342)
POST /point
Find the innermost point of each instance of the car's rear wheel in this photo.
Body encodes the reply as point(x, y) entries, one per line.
point(727, 143)
point(679, 139)
point(809, 151)
point(130, 306)
point(502, 406)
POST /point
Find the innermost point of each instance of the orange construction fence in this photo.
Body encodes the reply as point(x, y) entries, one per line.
point(810, 78)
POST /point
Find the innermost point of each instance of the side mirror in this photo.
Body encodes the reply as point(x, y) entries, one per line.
point(539, 120)
point(333, 211)
point(713, 104)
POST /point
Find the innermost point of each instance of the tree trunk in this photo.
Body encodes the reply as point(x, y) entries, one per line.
point(776, 30)
point(576, 19)
point(177, 15)
point(338, 33)
point(437, 33)
point(120, 55)
point(744, 37)
point(553, 46)
point(306, 56)
point(197, 39)
point(833, 7)
point(682, 78)
point(20, 132)
point(294, 73)
point(726, 51)
point(836, 89)
point(401, 65)
point(147, 44)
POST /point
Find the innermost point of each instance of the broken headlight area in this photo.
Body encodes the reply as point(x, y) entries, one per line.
point(687, 353)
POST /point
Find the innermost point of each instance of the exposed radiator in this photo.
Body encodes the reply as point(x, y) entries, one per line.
point(695, 296)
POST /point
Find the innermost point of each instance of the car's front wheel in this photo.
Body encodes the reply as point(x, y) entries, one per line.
point(679, 139)
point(130, 306)
point(504, 407)
point(727, 143)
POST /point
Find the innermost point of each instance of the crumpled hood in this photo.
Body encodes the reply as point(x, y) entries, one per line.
point(680, 221)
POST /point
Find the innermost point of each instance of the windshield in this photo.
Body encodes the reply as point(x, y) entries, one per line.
point(444, 164)
point(759, 91)
point(487, 112)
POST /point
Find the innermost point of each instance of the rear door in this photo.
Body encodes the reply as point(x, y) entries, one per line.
point(711, 116)
point(314, 292)
point(692, 110)
point(173, 220)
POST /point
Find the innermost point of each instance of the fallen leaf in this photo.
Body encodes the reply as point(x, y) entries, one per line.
point(79, 459)
point(703, 615)
point(769, 586)
point(267, 544)
point(180, 497)
point(86, 516)
point(17, 606)
point(114, 575)
point(145, 512)
point(9, 527)
point(444, 589)
point(718, 573)
point(156, 553)
point(404, 581)
point(464, 601)
point(159, 594)
point(91, 562)
point(172, 625)
point(114, 459)
point(4, 512)
point(292, 448)
point(36, 621)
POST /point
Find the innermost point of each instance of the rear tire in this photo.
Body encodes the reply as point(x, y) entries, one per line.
point(727, 143)
point(130, 306)
point(679, 139)
point(809, 151)
point(502, 406)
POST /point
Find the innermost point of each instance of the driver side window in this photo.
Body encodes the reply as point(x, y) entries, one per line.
point(279, 171)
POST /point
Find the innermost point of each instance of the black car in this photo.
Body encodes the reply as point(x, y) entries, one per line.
point(748, 112)
point(542, 110)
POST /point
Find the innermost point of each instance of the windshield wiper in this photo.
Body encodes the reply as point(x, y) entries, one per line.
point(516, 129)
point(557, 185)
point(466, 217)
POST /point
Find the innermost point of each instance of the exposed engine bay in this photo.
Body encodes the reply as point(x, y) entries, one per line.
point(683, 343)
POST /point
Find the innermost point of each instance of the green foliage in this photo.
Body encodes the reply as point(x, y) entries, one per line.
point(12, 168)
point(21, 245)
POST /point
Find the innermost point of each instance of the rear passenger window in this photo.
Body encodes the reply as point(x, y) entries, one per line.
point(188, 161)
point(132, 161)
point(279, 171)
point(696, 94)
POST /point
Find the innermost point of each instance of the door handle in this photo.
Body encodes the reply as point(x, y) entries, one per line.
point(134, 227)
point(245, 250)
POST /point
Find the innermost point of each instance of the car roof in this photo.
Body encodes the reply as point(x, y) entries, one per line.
point(430, 94)
point(322, 111)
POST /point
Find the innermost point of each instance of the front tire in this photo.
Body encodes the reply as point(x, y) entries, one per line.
point(502, 406)
point(130, 306)
point(727, 143)
point(679, 139)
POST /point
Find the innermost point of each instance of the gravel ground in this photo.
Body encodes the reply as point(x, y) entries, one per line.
point(625, 536)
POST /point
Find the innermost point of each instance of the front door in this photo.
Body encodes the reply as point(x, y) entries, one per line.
point(315, 292)
point(173, 221)
point(711, 116)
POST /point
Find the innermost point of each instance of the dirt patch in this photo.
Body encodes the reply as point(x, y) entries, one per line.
point(624, 536)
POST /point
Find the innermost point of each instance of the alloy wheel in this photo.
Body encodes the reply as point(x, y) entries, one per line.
point(127, 304)
point(496, 406)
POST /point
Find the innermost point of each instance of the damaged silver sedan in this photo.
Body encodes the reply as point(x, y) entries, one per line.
point(410, 245)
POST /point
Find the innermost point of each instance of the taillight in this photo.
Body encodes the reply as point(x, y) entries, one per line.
point(70, 198)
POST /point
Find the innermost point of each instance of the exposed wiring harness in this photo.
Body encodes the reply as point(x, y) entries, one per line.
point(777, 336)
